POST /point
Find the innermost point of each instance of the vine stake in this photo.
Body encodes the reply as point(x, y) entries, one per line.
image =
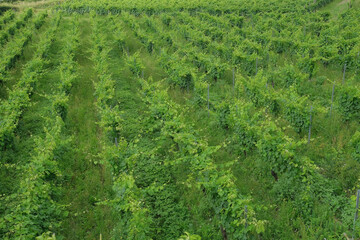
point(233, 78)
point(332, 98)
point(343, 80)
point(246, 211)
point(356, 212)
point(311, 108)
point(256, 66)
point(208, 98)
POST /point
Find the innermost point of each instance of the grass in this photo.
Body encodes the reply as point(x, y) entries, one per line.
point(337, 7)
point(30, 4)
point(89, 181)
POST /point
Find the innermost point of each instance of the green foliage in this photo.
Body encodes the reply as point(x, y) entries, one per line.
point(307, 65)
point(181, 75)
point(128, 203)
point(12, 27)
point(274, 148)
point(349, 102)
point(246, 56)
point(218, 185)
point(297, 111)
point(242, 120)
point(6, 17)
point(104, 88)
point(134, 64)
point(67, 72)
point(13, 52)
point(257, 90)
point(46, 236)
point(60, 103)
point(223, 111)
point(189, 236)
point(40, 20)
point(215, 69)
point(32, 209)
point(119, 37)
point(19, 97)
point(288, 76)
point(355, 145)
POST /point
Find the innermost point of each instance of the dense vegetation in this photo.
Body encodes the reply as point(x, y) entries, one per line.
point(180, 120)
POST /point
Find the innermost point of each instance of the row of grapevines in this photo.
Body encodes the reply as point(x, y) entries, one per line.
point(127, 198)
point(155, 108)
point(33, 208)
point(104, 87)
point(298, 180)
point(6, 18)
point(14, 49)
point(276, 41)
point(158, 7)
point(349, 102)
point(181, 73)
point(182, 144)
point(296, 110)
point(156, 180)
point(217, 184)
point(19, 96)
point(276, 154)
point(302, 42)
point(67, 69)
point(255, 88)
point(299, 116)
point(11, 28)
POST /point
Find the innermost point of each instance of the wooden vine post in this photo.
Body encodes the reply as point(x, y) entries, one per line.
point(332, 98)
point(356, 212)
point(256, 70)
point(311, 108)
point(245, 215)
point(208, 99)
point(233, 71)
point(344, 72)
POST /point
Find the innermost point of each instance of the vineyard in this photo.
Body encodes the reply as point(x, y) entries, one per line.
point(182, 120)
